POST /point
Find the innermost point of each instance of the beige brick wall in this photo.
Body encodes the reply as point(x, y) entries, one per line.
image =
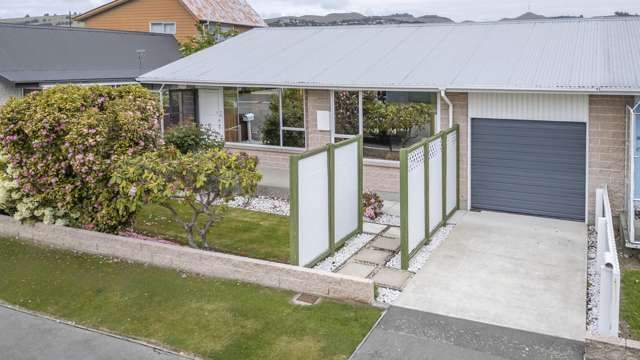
point(317, 100)
point(276, 158)
point(461, 117)
point(607, 128)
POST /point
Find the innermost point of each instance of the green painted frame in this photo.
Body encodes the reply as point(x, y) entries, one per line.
point(404, 203)
point(405, 254)
point(337, 244)
point(294, 215)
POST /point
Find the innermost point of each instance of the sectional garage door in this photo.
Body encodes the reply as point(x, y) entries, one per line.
point(529, 167)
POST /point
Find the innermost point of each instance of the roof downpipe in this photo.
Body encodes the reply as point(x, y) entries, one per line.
point(443, 94)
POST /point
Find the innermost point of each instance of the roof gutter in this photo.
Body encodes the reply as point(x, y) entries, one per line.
point(443, 94)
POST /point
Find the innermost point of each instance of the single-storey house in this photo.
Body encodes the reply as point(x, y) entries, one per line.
point(543, 106)
point(36, 57)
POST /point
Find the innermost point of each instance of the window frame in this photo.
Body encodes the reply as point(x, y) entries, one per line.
point(163, 24)
point(332, 126)
point(282, 128)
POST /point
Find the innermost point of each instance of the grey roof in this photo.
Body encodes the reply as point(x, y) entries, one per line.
point(34, 54)
point(543, 55)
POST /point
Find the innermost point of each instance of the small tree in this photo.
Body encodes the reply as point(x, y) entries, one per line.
point(206, 181)
point(205, 38)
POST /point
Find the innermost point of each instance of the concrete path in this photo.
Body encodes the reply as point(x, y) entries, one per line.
point(520, 272)
point(25, 336)
point(404, 334)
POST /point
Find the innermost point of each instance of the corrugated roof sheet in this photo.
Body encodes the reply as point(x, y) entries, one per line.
point(30, 54)
point(237, 12)
point(225, 11)
point(544, 55)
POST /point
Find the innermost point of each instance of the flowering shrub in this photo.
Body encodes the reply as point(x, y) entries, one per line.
point(205, 180)
point(372, 205)
point(192, 137)
point(61, 146)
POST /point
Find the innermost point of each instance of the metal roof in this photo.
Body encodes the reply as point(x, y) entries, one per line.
point(237, 12)
point(34, 54)
point(544, 55)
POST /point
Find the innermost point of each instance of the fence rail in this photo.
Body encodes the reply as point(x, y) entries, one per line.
point(608, 267)
point(428, 189)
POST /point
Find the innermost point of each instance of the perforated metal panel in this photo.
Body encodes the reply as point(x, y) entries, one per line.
point(529, 167)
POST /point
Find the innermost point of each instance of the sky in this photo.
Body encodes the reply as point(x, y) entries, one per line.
point(458, 10)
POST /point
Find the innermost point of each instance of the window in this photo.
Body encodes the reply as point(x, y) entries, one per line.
point(182, 107)
point(264, 116)
point(163, 27)
point(388, 120)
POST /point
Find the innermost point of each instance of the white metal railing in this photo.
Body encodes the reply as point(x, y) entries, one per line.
point(630, 172)
point(608, 266)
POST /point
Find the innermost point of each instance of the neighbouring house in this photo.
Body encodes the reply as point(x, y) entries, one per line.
point(176, 17)
point(543, 106)
point(36, 57)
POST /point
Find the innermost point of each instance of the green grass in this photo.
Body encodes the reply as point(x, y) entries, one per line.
point(242, 232)
point(630, 301)
point(212, 318)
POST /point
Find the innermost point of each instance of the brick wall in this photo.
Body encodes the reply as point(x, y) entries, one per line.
point(461, 117)
point(607, 128)
point(317, 100)
point(270, 158)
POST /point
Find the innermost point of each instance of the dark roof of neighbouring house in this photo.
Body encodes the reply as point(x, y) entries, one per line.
point(38, 54)
point(595, 55)
point(237, 12)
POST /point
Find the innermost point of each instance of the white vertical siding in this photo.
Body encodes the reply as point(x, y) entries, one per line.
point(519, 106)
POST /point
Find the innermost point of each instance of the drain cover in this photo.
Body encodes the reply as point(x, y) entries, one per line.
point(307, 299)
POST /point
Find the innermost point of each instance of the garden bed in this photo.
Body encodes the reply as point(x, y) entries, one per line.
point(211, 318)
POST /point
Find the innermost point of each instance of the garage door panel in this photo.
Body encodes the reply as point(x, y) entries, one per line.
point(531, 167)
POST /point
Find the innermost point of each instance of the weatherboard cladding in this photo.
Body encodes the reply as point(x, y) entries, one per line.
point(545, 55)
point(30, 54)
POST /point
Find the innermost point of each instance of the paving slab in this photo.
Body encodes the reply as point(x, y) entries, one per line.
point(405, 334)
point(371, 256)
point(385, 243)
point(392, 232)
point(372, 228)
point(356, 269)
point(30, 337)
point(521, 272)
point(391, 278)
point(391, 208)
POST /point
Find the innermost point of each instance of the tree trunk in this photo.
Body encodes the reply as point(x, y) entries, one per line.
point(190, 238)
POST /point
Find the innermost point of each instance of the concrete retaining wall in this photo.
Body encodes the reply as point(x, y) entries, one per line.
point(206, 263)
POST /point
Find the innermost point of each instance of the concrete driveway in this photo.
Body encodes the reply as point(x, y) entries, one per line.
point(514, 271)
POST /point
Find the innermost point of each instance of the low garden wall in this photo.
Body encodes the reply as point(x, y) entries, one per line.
point(205, 263)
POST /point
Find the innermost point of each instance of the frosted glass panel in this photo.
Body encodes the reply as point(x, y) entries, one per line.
point(313, 208)
point(346, 190)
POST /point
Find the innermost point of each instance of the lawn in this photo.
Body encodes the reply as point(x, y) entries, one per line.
point(212, 318)
point(242, 232)
point(630, 302)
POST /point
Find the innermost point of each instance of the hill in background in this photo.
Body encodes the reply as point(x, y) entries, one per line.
point(47, 20)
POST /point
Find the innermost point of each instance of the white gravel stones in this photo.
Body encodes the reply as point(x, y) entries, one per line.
point(387, 296)
point(419, 259)
point(593, 282)
point(262, 204)
point(386, 219)
point(352, 246)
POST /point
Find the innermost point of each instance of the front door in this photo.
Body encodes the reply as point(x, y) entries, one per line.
point(211, 109)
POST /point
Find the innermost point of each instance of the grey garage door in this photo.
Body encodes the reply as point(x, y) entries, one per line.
point(528, 167)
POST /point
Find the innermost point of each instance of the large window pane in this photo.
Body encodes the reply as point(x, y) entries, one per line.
point(293, 134)
point(346, 113)
point(393, 120)
point(259, 115)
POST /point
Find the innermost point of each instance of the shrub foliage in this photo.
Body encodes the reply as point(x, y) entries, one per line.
point(191, 137)
point(204, 180)
point(61, 145)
